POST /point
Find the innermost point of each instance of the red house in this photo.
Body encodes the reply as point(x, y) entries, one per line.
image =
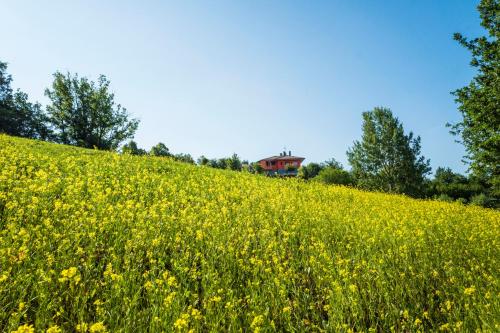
point(283, 165)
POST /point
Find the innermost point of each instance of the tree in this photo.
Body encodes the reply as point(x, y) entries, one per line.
point(18, 116)
point(386, 159)
point(132, 149)
point(160, 150)
point(448, 185)
point(84, 113)
point(454, 185)
point(257, 168)
point(234, 163)
point(479, 102)
point(5, 81)
point(214, 163)
point(29, 119)
point(310, 170)
point(333, 163)
point(7, 110)
point(186, 158)
point(331, 175)
point(332, 172)
point(202, 160)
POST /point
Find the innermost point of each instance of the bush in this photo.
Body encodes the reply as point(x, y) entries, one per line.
point(483, 200)
point(334, 176)
point(445, 197)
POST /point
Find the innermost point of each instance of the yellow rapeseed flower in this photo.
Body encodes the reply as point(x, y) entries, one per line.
point(82, 327)
point(54, 329)
point(470, 290)
point(97, 327)
point(26, 328)
point(199, 248)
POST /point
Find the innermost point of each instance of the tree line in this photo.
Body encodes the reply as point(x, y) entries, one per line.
point(84, 113)
point(388, 160)
point(81, 112)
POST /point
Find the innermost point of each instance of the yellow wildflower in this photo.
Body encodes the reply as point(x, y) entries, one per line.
point(26, 328)
point(82, 327)
point(469, 291)
point(257, 321)
point(54, 329)
point(97, 327)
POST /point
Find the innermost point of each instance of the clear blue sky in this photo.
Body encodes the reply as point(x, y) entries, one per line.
point(217, 77)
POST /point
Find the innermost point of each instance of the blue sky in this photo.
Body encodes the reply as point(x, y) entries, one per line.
point(217, 77)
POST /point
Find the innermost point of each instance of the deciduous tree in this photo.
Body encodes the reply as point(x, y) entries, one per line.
point(387, 159)
point(331, 175)
point(84, 113)
point(132, 149)
point(18, 116)
point(479, 101)
point(160, 150)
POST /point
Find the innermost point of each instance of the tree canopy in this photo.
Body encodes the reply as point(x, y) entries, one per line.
point(386, 159)
point(84, 113)
point(132, 149)
point(478, 102)
point(310, 170)
point(160, 150)
point(18, 116)
point(334, 175)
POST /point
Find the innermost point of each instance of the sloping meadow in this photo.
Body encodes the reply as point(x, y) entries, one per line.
point(94, 241)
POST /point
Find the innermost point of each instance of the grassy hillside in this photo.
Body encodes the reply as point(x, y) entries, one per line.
point(94, 241)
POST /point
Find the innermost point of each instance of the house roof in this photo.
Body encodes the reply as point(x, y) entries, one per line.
point(283, 158)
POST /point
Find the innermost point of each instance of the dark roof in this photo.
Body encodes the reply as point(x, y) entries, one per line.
point(282, 158)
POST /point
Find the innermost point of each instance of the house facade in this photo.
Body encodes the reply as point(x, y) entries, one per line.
point(284, 165)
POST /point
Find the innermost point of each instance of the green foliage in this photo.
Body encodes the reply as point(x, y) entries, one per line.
point(230, 163)
point(331, 175)
point(7, 111)
point(479, 102)
point(386, 159)
point(217, 163)
point(484, 200)
point(84, 113)
point(310, 170)
point(185, 158)
point(234, 163)
point(5, 84)
point(160, 150)
point(257, 168)
point(456, 187)
point(132, 149)
point(333, 163)
point(453, 184)
point(18, 116)
point(331, 172)
point(246, 167)
point(445, 197)
point(202, 160)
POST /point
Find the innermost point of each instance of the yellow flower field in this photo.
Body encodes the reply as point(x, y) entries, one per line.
point(94, 241)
